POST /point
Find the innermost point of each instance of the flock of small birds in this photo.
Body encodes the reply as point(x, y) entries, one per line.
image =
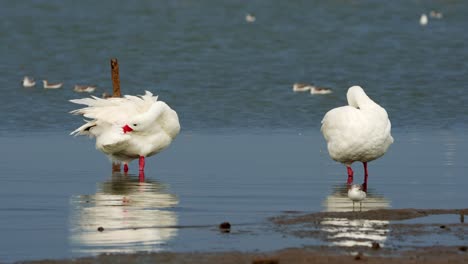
point(29, 82)
point(313, 89)
point(424, 19)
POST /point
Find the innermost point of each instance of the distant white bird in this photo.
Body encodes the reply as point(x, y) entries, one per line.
point(320, 90)
point(48, 85)
point(250, 18)
point(84, 88)
point(435, 14)
point(128, 128)
point(106, 95)
point(423, 20)
point(302, 87)
point(356, 194)
point(28, 82)
point(359, 131)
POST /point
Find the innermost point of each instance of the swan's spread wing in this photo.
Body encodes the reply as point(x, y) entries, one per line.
point(114, 110)
point(111, 110)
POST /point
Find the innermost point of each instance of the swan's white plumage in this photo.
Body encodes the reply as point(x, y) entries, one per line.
point(359, 131)
point(154, 125)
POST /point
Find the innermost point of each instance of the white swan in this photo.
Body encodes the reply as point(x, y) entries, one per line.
point(28, 82)
point(128, 128)
point(359, 131)
point(48, 85)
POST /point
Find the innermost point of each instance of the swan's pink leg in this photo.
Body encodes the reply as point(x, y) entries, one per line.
point(125, 167)
point(141, 176)
point(142, 163)
point(350, 174)
point(366, 174)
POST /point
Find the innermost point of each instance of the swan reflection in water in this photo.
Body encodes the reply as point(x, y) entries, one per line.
point(354, 232)
point(135, 216)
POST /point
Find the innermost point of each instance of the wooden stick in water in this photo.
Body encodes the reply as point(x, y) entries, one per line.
point(115, 78)
point(116, 93)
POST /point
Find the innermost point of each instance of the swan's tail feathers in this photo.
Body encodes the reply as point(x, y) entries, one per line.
point(94, 101)
point(86, 101)
point(84, 129)
point(149, 97)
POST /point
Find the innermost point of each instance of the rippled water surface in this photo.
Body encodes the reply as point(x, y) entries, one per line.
point(249, 148)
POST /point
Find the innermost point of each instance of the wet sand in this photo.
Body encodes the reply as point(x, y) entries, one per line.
point(296, 255)
point(380, 214)
point(288, 224)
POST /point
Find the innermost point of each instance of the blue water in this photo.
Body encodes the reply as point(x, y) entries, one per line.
point(249, 147)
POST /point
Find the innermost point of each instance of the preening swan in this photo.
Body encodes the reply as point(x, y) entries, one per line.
point(130, 127)
point(359, 131)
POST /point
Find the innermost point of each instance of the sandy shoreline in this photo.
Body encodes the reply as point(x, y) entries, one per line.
point(299, 224)
point(295, 255)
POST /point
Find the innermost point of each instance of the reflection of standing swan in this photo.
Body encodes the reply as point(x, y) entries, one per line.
point(134, 215)
point(339, 201)
point(354, 232)
point(359, 131)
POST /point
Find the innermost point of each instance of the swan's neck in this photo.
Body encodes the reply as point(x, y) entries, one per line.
point(360, 100)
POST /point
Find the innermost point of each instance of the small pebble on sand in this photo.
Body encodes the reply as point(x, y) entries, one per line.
point(375, 245)
point(225, 227)
point(265, 261)
point(359, 256)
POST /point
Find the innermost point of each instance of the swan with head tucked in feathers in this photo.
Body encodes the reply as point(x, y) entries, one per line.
point(130, 127)
point(359, 131)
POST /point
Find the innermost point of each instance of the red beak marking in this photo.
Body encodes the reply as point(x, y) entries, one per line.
point(126, 129)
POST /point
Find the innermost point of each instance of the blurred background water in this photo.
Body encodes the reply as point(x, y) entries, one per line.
point(249, 147)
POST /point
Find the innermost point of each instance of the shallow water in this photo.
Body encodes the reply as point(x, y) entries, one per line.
point(57, 190)
point(250, 148)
